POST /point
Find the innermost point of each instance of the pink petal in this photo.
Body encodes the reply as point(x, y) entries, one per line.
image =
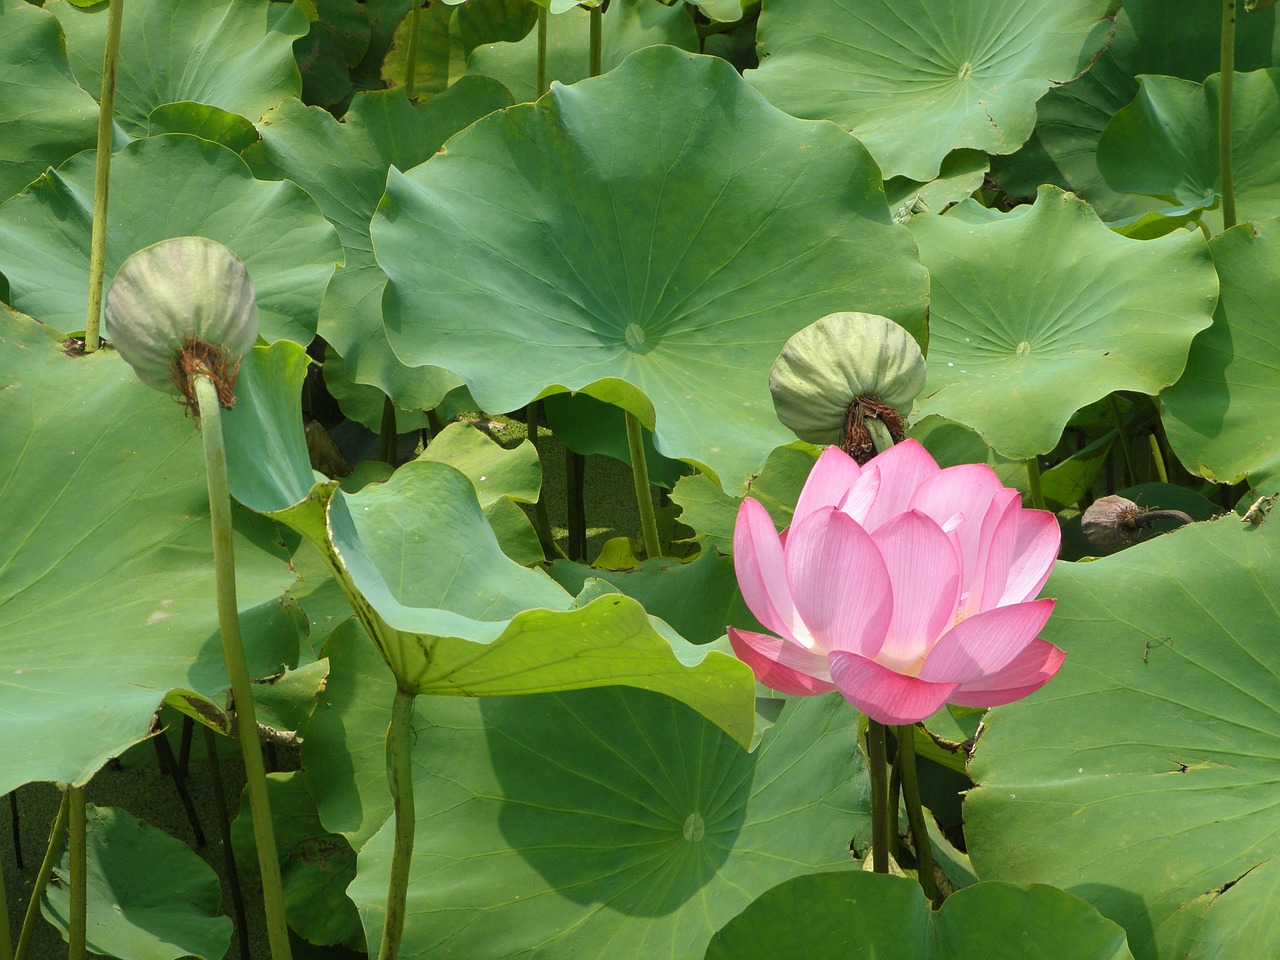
point(996, 540)
point(761, 569)
point(986, 643)
point(782, 665)
point(1036, 544)
point(1026, 674)
point(829, 483)
point(883, 694)
point(840, 585)
point(902, 469)
point(862, 496)
point(967, 490)
point(924, 567)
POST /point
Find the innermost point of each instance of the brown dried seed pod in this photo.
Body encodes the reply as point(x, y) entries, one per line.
point(1113, 523)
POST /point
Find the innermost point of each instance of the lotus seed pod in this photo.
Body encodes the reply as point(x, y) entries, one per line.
point(175, 293)
point(842, 358)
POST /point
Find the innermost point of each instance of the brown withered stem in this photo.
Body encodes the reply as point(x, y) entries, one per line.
point(857, 441)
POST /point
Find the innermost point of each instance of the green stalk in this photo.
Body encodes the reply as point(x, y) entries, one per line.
point(1033, 482)
point(1125, 446)
point(895, 792)
point(215, 459)
point(542, 84)
point(78, 925)
point(387, 435)
point(411, 59)
point(876, 766)
point(224, 831)
point(915, 813)
point(56, 837)
point(102, 177)
point(1156, 458)
point(1226, 84)
point(881, 438)
point(541, 522)
point(597, 34)
point(400, 772)
point(644, 497)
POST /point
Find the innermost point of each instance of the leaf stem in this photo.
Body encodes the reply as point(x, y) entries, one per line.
point(78, 925)
point(1033, 483)
point(1125, 447)
point(6, 935)
point(876, 766)
point(387, 433)
point(411, 57)
point(51, 854)
point(215, 458)
point(400, 774)
point(542, 85)
point(1226, 85)
point(915, 813)
point(102, 178)
point(541, 522)
point(596, 41)
point(644, 496)
point(1157, 458)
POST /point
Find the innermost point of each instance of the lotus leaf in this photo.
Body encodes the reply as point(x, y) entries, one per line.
point(1037, 314)
point(915, 80)
point(1143, 779)
point(653, 235)
point(162, 187)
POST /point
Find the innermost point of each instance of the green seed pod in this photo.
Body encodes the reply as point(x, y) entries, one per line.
point(828, 367)
point(175, 294)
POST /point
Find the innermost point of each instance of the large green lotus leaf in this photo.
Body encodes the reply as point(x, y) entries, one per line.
point(344, 166)
point(1220, 415)
point(233, 54)
point(1143, 777)
point(961, 173)
point(654, 235)
point(711, 513)
point(315, 865)
point(106, 567)
point(162, 187)
point(866, 916)
point(44, 115)
point(1037, 314)
point(627, 26)
point(149, 896)
point(450, 613)
point(1165, 143)
point(915, 80)
point(698, 599)
point(1072, 117)
point(609, 823)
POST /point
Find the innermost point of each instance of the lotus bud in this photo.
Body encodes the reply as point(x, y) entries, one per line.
point(845, 369)
point(183, 307)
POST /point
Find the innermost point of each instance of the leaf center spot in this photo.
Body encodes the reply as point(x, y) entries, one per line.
point(1024, 349)
point(965, 71)
point(694, 827)
point(635, 339)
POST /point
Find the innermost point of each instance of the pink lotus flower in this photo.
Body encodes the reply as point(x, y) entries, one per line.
point(902, 585)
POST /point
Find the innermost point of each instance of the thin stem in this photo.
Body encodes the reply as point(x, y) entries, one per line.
point(597, 34)
point(1125, 447)
point(1157, 459)
point(224, 833)
point(51, 854)
point(387, 435)
point(876, 766)
point(895, 793)
point(17, 829)
point(575, 504)
point(215, 458)
point(542, 84)
point(1226, 85)
point(915, 813)
point(411, 58)
point(78, 925)
point(102, 177)
point(644, 496)
point(400, 772)
point(1033, 482)
point(541, 522)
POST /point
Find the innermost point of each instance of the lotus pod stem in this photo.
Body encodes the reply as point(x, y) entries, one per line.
point(400, 774)
point(877, 754)
point(102, 177)
point(209, 408)
point(644, 496)
point(1226, 87)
